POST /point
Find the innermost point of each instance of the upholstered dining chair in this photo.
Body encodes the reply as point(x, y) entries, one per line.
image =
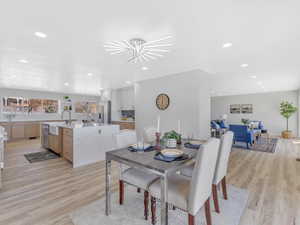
point(221, 168)
point(150, 134)
point(132, 176)
point(191, 193)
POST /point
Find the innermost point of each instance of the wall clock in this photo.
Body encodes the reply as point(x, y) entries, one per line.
point(162, 101)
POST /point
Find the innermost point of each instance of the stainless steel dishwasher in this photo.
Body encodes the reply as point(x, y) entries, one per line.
point(45, 135)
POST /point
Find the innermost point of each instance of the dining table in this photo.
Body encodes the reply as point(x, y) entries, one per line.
point(146, 162)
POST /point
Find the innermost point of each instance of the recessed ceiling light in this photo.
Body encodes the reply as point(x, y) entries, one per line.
point(244, 65)
point(23, 61)
point(66, 84)
point(40, 34)
point(253, 77)
point(144, 68)
point(227, 45)
point(90, 74)
point(128, 82)
point(260, 83)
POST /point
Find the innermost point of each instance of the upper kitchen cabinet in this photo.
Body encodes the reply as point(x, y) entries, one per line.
point(126, 96)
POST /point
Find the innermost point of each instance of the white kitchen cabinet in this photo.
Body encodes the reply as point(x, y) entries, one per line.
point(126, 96)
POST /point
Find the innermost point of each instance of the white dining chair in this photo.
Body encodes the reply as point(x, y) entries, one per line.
point(133, 176)
point(221, 168)
point(150, 134)
point(191, 193)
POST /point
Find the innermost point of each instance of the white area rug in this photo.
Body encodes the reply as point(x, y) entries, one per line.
point(132, 212)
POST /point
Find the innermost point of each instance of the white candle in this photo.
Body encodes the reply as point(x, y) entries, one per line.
point(178, 128)
point(158, 124)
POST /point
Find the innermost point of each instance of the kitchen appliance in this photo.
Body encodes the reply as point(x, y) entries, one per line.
point(109, 112)
point(45, 135)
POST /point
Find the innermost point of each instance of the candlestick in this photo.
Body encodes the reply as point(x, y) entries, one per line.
point(178, 127)
point(158, 124)
point(157, 146)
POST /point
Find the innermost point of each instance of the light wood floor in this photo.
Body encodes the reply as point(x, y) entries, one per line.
point(45, 193)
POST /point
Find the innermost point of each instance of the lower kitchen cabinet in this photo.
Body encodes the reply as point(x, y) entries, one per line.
point(54, 143)
point(125, 125)
point(67, 144)
point(17, 131)
point(32, 130)
point(21, 130)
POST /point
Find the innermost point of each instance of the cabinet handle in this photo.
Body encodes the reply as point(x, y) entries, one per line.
point(99, 131)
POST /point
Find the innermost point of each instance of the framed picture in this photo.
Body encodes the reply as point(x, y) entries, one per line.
point(247, 108)
point(235, 109)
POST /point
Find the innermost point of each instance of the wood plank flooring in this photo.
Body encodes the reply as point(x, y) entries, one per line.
point(45, 193)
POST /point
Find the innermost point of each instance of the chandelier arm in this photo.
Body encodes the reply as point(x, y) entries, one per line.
point(158, 40)
point(149, 56)
point(155, 54)
point(158, 45)
point(158, 50)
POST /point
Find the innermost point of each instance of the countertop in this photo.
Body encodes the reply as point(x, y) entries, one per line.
point(78, 125)
point(124, 121)
point(30, 121)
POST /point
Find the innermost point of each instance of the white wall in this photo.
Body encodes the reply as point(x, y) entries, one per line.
point(189, 102)
point(265, 108)
point(299, 113)
point(47, 95)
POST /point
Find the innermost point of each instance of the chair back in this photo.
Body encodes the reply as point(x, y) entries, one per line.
point(125, 138)
point(223, 157)
point(214, 125)
point(223, 124)
point(203, 174)
point(240, 131)
point(150, 134)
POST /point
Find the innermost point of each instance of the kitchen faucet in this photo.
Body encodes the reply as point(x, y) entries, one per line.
point(70, 116)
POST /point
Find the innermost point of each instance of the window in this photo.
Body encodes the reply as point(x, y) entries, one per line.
point(86, 107)
point(23, 105)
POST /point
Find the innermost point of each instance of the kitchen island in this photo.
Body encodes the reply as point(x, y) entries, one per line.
point(82, 144)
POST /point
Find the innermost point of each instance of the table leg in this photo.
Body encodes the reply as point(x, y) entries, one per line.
point(107, 187)
point(164, 200)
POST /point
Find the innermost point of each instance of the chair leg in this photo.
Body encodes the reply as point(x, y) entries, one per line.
point(207, 212)
point(224, 188)
point(191, 219)
point(215, 197)
point(146, 203)
point(121, 192)
point(153, 210)
point(138, 190)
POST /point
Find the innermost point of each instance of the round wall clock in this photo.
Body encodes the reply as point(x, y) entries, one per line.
point(162, 101)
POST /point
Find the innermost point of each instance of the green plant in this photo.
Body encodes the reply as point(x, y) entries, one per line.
point(245, 121)
point(172, 135)
point(287, 110)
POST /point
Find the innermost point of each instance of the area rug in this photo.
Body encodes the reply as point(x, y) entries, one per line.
point(40, 156)
point(261, 145)
point(131, 213)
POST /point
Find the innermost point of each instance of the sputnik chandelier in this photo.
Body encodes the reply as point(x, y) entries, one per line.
point(138, 49)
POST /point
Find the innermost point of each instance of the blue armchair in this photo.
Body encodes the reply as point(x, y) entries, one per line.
point(223, 124)
point(214, 125)
point(242, 134)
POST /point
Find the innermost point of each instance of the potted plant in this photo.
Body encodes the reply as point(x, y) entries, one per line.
point(172, 139)
point(245, 121)
point(287, 109)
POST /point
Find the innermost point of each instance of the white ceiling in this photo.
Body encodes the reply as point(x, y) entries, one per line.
point(265, 35)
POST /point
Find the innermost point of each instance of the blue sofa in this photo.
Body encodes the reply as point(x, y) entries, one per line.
point(242, 134)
